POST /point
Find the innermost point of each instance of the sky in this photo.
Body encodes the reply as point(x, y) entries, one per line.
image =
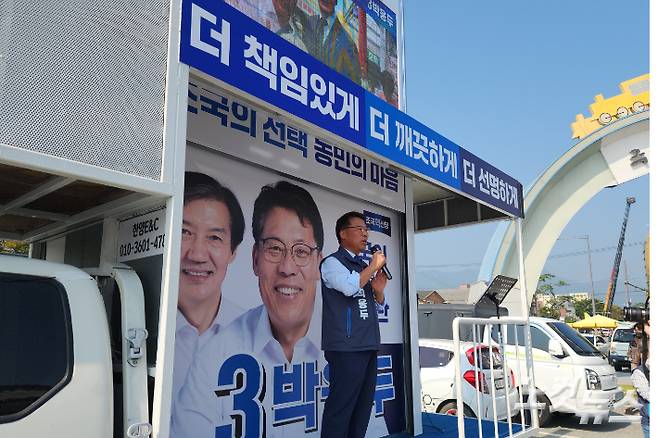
point(505, 80)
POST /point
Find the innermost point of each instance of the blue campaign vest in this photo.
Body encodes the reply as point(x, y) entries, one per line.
point(349, 323)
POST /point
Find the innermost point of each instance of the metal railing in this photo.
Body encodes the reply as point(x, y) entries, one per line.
point(482, 339)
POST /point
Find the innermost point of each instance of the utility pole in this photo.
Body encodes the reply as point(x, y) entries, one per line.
point(628, 297)
point(589, 260)
point(591, 278)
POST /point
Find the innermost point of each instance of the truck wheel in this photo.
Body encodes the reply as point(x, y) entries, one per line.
point(618, 367)
point(544, 414)
point(451, 409)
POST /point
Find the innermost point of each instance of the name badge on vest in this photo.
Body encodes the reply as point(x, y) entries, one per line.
point(363, 304)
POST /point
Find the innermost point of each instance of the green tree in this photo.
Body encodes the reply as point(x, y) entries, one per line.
point(582, 307)
point(552, 308)
point(546, 285)
point(585, 306)
point(14, 247)
point(616, 312)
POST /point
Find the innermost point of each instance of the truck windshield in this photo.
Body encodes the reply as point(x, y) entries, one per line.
point(573, 338)
point(623, 335)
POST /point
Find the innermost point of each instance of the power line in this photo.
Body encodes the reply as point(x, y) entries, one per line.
point(555, 256)
point(605, 249)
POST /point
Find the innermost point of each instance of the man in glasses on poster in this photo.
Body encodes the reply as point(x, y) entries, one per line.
point(289, 236)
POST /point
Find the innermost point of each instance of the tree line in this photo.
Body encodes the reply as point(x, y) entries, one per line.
point(551, 309)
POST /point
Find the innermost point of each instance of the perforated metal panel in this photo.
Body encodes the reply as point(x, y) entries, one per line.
point(84, 80)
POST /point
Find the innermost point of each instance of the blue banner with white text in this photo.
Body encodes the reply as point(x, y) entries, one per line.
point(226, 44)
point(483, 181)
point(397, 136)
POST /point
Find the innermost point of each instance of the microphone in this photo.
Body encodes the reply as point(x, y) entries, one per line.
point(376, 248)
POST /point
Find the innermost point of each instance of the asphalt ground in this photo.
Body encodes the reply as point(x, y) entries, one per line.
point(570, 427)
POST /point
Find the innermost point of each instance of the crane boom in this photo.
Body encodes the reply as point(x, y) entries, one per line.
point(612, 286)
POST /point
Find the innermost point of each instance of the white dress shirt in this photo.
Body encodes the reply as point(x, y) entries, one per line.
point(189, 342)
point(200, 410)
point(336, 276)
point(641, 384)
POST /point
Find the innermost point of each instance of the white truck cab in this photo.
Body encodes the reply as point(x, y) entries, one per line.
point(571, 375)
point(58, 352)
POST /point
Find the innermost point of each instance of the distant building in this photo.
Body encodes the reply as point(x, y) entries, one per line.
point(541, 300)
point(580, 295)
point(567, 308)
point(465, 293)
point(430, 297)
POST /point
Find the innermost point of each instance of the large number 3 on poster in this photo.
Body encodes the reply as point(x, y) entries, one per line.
point(241, 376)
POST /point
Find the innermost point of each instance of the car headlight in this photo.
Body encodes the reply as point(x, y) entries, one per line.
point(592, 378)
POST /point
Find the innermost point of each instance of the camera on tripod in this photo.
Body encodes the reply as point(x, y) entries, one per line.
point(637, 314)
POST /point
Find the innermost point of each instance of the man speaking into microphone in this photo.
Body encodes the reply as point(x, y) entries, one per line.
point(351, 292)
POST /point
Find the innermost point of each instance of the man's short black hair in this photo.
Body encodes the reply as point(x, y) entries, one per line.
point(344, 221)
point(201, 186)
point(639, 326)
point(291, 197)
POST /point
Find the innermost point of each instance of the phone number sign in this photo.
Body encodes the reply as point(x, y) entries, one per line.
point(142, 236)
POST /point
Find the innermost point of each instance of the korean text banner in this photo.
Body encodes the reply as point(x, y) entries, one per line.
point(220, 41)
point(256, 364)
point(485, 182)
point(394, 134)
point(256, 135)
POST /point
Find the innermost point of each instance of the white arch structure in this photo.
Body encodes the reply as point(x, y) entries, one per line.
point(605, 158)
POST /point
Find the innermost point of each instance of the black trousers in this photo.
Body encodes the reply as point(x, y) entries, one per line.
point(352, 378)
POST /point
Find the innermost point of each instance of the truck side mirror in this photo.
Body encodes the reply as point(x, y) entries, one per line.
point(555, 348)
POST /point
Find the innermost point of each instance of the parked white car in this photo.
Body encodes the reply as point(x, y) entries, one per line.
point(437, 377)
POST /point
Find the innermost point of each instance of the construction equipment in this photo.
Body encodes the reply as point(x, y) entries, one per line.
point(647, 269)
point(610, 295)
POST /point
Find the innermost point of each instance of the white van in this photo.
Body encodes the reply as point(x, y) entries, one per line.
point(571, 375)
point(619, 345)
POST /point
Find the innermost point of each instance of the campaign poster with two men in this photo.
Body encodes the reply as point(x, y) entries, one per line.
point(248, 360)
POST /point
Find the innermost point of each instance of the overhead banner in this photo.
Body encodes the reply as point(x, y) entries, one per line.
point(404, 140)
point(228, 45)
point(260, 136)
point(258, 368)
